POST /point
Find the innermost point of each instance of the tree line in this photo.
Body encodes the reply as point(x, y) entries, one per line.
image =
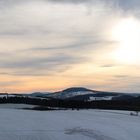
point(75, 104)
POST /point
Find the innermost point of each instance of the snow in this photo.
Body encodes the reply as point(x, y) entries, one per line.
point(100, 98)
point(3, 95)
point(18, 124)
point(71, 94)
point(64, 95)
point(15, 106)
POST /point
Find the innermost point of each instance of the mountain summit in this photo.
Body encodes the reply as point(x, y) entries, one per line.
point(77, 89)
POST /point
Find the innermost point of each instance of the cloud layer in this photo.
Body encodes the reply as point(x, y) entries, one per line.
point(56, 38)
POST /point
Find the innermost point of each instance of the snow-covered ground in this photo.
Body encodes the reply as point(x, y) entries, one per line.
point(16, 106)
point(18, 124)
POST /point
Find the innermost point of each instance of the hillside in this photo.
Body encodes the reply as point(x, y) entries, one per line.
point(81, 93)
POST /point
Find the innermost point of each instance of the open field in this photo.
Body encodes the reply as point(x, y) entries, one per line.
point(17, 124)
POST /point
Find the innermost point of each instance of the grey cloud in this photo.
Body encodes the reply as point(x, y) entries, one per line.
point(81, 43)
point(13, 32)
point(122, 3)
point(127, 76)
point(4, 73)
point(15, 23)
point(80, 1)
point(125, 5)
point(41, 66)
point(73, 1)
point(121, 76)
point(72, 46)
point(129, 4)
point(10, 83)
point(8, 3)
point(40, 62)
point(107, 65)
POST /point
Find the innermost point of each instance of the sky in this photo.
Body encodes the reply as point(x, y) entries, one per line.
point(49, 45)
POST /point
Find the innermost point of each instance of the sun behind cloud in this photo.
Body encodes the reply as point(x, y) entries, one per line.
point(127, 33)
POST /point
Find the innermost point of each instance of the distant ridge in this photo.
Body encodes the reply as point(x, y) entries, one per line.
point(80, 93)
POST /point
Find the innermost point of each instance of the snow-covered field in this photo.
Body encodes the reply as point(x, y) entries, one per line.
point(15, 106)
point(18, 124)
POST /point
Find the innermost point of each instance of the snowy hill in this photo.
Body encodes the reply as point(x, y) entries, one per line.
point(80, 93)
point(71, 92)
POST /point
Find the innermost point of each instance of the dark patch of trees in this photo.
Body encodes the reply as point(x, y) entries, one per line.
point(75, 104)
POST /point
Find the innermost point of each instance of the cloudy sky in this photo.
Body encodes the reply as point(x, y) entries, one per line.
point(48, 45)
